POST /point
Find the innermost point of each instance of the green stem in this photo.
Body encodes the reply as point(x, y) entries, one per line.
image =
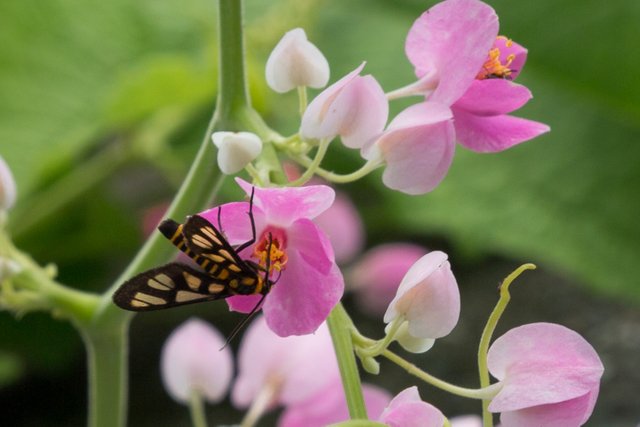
point(108, 373)
point(314, 165)
point(366, 169)
point(340, 326)
point(487, 333)
point(196, 408)
point(302, 99)
point(471, 393)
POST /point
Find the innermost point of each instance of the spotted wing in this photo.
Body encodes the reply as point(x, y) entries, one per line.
point(169, 286)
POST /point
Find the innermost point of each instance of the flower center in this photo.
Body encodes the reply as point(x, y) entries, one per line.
point(496, 67)
point(271, 250)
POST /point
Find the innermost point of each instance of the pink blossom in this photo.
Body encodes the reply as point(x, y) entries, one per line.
point(193, 360)
point(375, 277)
point(549, 374)
point(354, 108)
point(463, 63)
point(330, 406)
point(309, 283)
point(428, 300)
point(408, 410)
point(294, 368)
point(417, 148)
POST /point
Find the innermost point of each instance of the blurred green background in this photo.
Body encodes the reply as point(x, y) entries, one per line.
point(103, 105)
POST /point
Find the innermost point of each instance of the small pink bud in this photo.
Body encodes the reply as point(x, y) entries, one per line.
point(376, 275)
point(7, 187)
point(408, 410)
point(296, 62)
point(428, 299)
point(550, 376)
point(236, 150)
point(193, 359)
point(354, 108)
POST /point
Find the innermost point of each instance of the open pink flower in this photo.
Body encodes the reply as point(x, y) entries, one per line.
point(417, 148)
point(309, 283)
point(329, 406)
point(408, 410)
point(375, 277)
point(354, 108)
point(550, 376)
point(193, 359)
point(427, 303)
point(462, 63)
point(292, 369)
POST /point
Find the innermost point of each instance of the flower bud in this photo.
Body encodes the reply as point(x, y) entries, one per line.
point(296, 62)
point(7, 187)
point(236, 150)
point(193, 359)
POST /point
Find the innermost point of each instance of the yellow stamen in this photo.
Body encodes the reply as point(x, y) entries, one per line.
point(493, 68)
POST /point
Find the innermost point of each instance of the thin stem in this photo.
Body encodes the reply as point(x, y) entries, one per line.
point(377, 347)
point(482, 393)
point(261, 403)
point(196, 409)
point(302, 99)
point(487, 333)
point(340, 326)
point(367, 168)
point(314, 165)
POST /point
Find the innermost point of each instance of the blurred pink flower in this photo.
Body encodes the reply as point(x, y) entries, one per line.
point(417, 148)
point(354, 108)
point(310, 283)
point(375, 277)
point(7, 187)
point(550, 376)
point(462, 63)
point(427, 303)
point(193, 359)
point(294, 368)
point(330, 406)
point(343, 225)
point(408, 410)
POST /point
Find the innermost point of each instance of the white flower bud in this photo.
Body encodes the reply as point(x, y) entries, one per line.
point(7, 187)
point(295, 62)
point(236, 150)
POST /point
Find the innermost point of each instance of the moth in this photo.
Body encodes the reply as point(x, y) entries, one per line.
point(223, 272)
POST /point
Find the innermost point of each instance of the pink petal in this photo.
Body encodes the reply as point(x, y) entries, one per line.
point(491, 97)
point(299, 366)
point(303, 297)
point(329, 406)
point(355, 108)
point(453, 37)
point(428, 297)
point(283, 206)
point(508, 47)
point(343, 225)
point(571, 413)
point(495, 133)
point(542, 363)
point(408, 410)
point(193, 358)
point(313, 245)
point(375, 277)
point(417, 156)
point(234, 221)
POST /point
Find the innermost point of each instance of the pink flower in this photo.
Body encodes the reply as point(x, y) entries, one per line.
point(329, 406)
point(408, 410)
point(461, 62)
point(292, 368)
point(309, 283)
point(193, 359)
point(427, 303)
point(417, 148)
point(354, 108)
point(375, 277)
point(550, 376)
